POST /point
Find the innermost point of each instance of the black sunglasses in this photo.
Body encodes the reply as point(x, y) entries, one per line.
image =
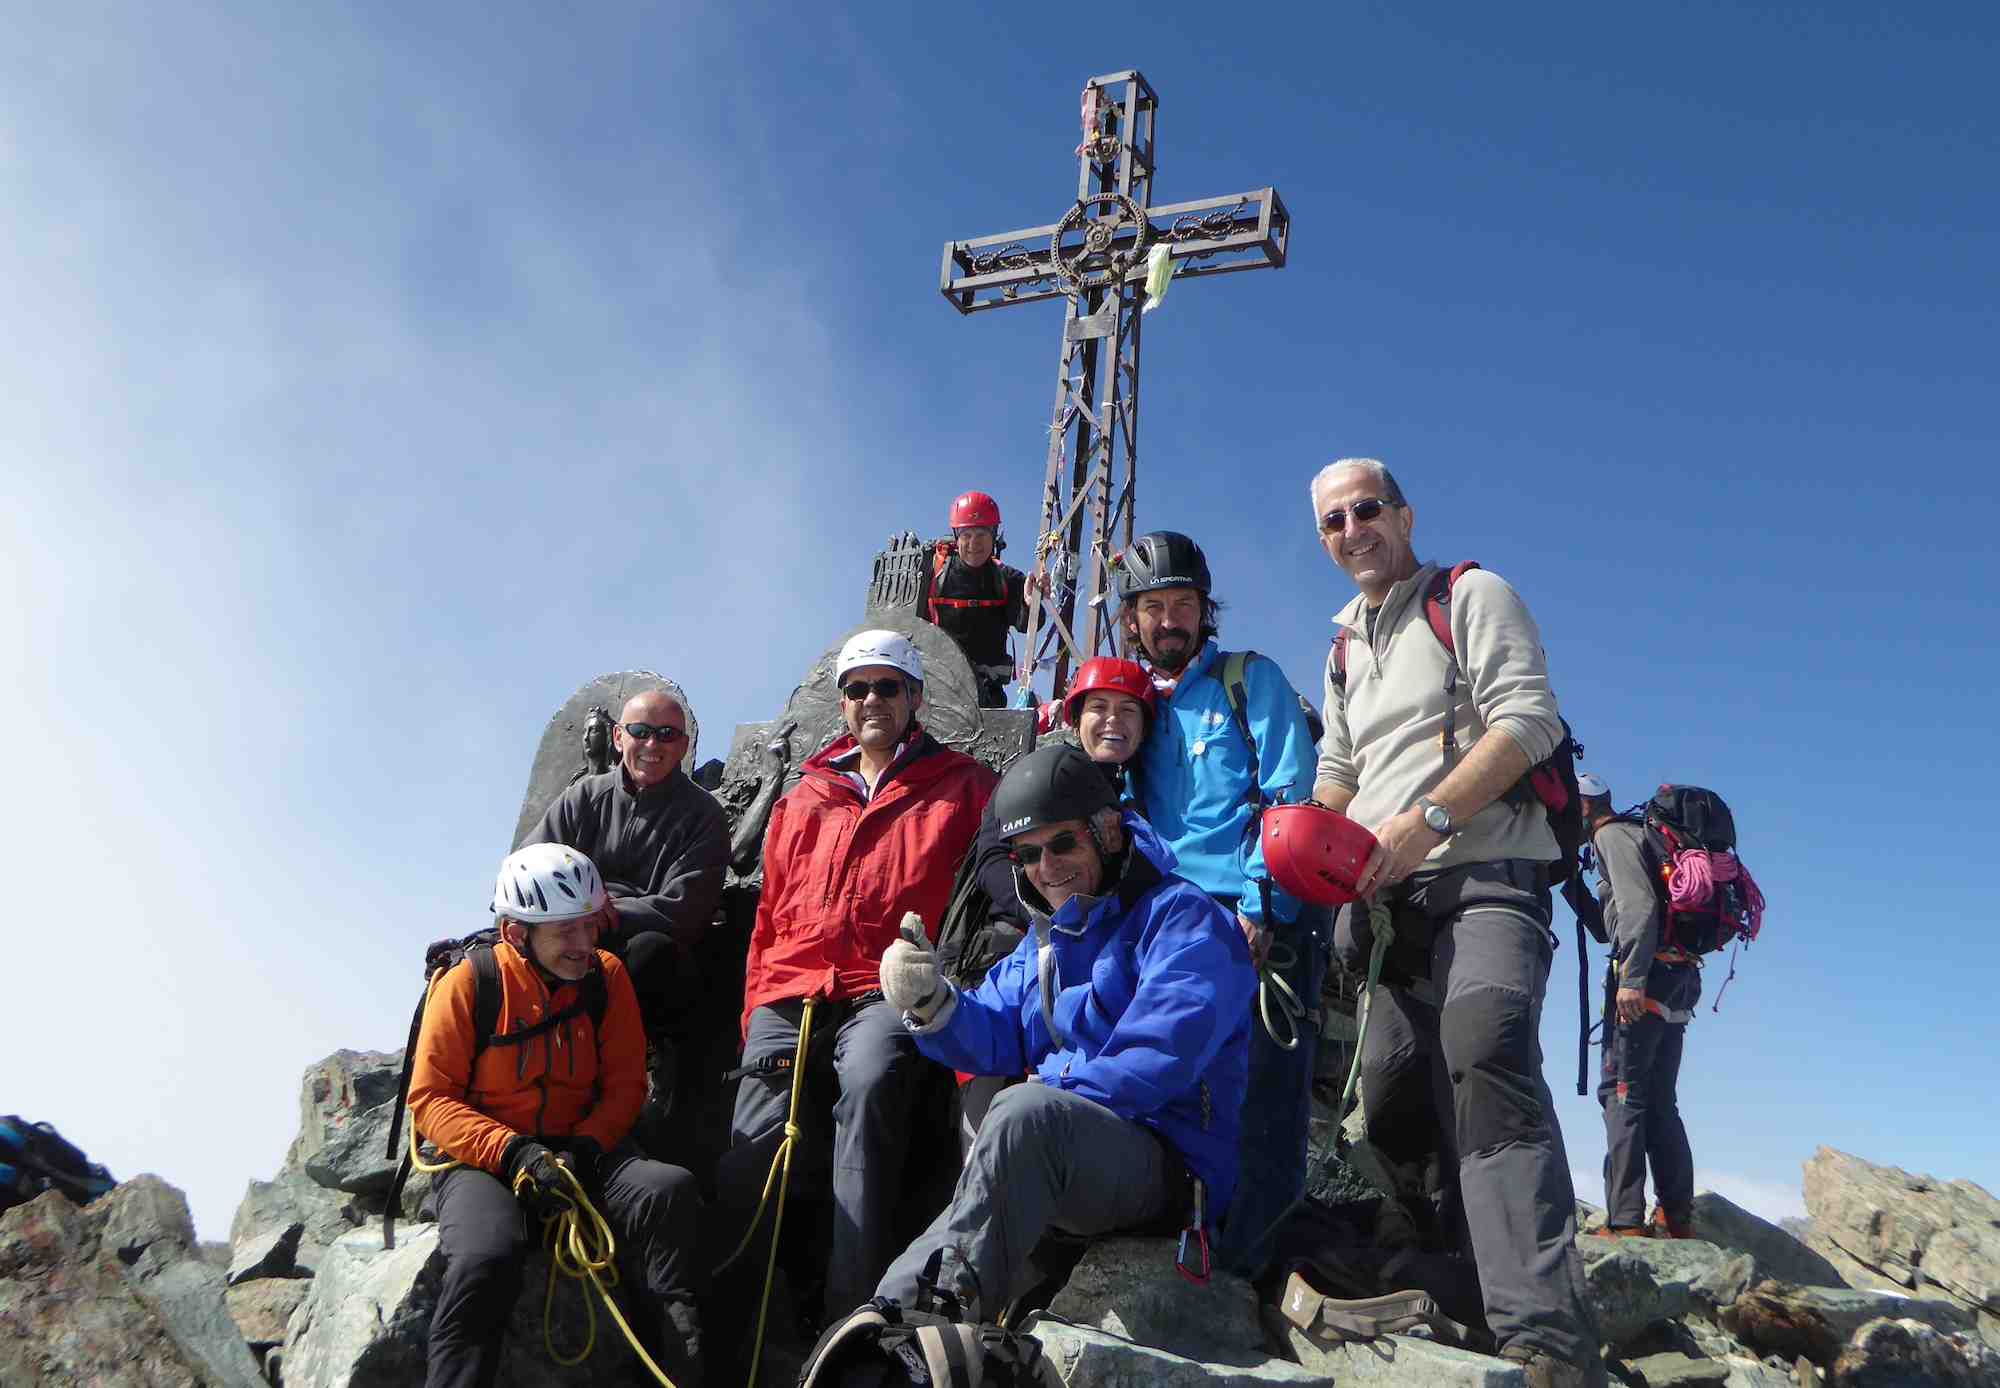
point(643, 732)
point(860, 689)
point(1061, 846)
point(1335, 521)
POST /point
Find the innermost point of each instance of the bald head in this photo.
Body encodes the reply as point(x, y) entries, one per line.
point(650, 760)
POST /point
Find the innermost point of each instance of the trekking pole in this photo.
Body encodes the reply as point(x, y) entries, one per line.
point(1383, 926)
point(781, 1177)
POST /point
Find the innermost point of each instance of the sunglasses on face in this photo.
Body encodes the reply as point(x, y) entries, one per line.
point(1029, 854)
point(861, 689)
point(645, 732)
point(1335, 521)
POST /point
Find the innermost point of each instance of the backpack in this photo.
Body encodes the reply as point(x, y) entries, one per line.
point(34, 1157)
point(440, 957)
point(1552, 781)
point(969, 940)
point(1707, 897)
point(882, 1345)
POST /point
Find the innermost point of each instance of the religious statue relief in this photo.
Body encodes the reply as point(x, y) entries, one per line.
point(596, 744)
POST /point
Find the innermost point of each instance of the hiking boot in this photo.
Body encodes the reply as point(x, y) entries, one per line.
point(1666, 1226)
point(1547, 1371)
point(1622, 1231)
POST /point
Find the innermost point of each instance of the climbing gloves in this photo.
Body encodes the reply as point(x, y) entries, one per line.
point(910, 978)
point(529, 1170)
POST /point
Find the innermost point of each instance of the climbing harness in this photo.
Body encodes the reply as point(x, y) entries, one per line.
point(781, 1177)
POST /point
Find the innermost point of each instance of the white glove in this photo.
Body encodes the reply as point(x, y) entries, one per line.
point(910, 978)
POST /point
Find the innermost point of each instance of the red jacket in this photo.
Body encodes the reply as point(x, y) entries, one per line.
point(840, 871)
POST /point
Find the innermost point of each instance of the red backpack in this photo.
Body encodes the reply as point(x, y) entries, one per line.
point(1551, 781)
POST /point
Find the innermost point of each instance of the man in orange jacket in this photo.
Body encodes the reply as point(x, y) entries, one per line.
point(875, 827)
point(559, 1082)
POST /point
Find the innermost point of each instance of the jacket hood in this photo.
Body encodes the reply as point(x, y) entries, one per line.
point(1147, 859)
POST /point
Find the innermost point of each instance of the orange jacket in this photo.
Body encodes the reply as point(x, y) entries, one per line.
point(565, 1082)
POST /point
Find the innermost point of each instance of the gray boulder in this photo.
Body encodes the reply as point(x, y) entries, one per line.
point(1893, 1353)
point(1677, 1370)
point(1909, 1227)
point(1402, 1359)
point(116, 1293)
point(365, 1321)
point(1128, 1287)
point(1633, 1284)
point(1089, 1358)
point(1816, 1322)
point(345, 1104)
point(1777, 1254)
point(273, 1253)
point(293, 1198)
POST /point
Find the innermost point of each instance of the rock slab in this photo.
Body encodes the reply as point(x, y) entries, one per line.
point(1778, 1256)
point(1908, 1227)
point(263, 1309)
point(1128, 1287)
point(1817, 1322)
point(1089, 1358)
point(1894, 1353)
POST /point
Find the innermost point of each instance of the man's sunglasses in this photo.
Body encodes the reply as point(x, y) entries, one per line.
point(860, 689)
point(1335, 521)
point(1029, 854)
point(645, 732)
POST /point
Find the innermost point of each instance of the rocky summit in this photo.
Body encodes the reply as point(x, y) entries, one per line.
point(1895, 1281)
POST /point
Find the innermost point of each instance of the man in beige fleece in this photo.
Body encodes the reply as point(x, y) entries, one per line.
point(1428, 747)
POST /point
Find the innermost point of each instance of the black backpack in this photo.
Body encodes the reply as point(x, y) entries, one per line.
point(1682, 818)
point(34, 1157)
point(883, 1345)
point(440, 956)
point(970, 941)
point(1551, 781)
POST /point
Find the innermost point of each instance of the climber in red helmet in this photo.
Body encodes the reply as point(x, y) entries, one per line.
point(975, 597)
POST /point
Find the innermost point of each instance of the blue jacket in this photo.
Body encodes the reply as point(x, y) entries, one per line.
point(1152, 990)
point(1193, 775)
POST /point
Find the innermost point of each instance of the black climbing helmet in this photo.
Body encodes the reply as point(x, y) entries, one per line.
point(1161, 559)
point(1053, 783)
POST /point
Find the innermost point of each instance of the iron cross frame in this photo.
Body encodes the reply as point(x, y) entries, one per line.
point(1096, 259)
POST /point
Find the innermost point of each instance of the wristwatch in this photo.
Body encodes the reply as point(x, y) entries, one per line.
point(1435, 815)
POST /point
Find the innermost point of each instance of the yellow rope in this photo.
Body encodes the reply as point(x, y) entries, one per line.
point(781, 1177)
point(581, 1245)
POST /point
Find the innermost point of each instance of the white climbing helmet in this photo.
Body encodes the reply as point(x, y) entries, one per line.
point(547, 882)
point(1592, 787)
point(890, 648)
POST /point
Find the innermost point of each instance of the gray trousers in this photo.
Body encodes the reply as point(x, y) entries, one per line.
point(876, 1069)
point(1044, 1159)
point(1464, 1079)
point(1640, 1094)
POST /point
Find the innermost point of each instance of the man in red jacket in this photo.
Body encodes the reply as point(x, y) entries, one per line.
point(875, 827)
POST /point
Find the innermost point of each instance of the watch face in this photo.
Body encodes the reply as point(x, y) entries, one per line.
point(1437, 818)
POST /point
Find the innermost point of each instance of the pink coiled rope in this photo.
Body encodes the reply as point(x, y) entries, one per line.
point(1691, 884)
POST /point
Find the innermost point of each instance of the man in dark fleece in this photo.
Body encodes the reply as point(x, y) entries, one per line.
point(662, 843)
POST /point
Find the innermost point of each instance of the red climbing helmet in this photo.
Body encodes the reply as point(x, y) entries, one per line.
point(975, 508)
point(1109, 673)
point(1315, 853)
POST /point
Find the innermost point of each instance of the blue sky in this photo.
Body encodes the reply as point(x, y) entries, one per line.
point(375, 377)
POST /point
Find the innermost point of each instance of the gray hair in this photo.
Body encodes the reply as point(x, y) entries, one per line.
point(1383, 477)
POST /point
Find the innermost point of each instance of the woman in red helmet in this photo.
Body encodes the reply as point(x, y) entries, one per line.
point(975, 597)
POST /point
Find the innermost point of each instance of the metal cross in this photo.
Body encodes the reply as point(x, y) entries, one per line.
point(1096, 258)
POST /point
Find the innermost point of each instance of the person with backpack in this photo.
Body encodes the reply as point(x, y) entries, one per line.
point(875, 827)
point(1128, 1005)
point(1651, 985)
point(1108, 709)
point(1424, 741)
point(558, 1082)
point(974, 597)
point(662, 844)
point(1229, 738)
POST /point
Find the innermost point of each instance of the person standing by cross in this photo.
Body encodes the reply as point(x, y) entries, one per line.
point(974, 598)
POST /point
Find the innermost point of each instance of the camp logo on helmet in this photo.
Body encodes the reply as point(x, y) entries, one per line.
point(1015, 826)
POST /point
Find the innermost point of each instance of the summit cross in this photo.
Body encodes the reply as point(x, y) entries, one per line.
point(1096, 257)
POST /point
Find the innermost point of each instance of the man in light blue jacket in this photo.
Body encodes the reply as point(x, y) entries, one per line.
point(1127, 1007)
point(1210, 764)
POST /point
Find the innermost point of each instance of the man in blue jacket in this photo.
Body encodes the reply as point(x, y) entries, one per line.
point(1210, 764)
point(1128, 1006)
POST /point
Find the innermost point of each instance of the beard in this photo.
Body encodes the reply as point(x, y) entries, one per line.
point(1171, 657)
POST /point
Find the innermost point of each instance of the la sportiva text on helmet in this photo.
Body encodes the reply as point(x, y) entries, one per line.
point(1111, 674)
point(1315, 853)
point(1053, 784)
point(975, 508)
point(1160, 559)
point(546, 882)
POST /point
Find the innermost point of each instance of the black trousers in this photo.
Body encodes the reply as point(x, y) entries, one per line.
point(654, 1211)
point(1640, 1092)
